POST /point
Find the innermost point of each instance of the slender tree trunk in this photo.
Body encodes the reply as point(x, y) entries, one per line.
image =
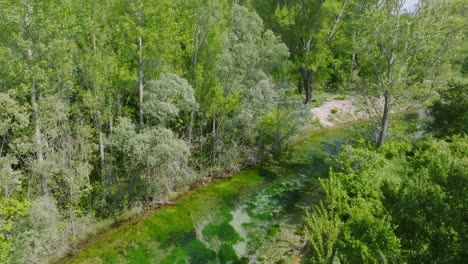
point(300, 86)
point(72, 219)
point(140, 78)
point(139, 24)
point(119, 105)
point(190, 129)
point(385, 117)
point(355, 63)
point(98, 112)
point(35, 114)
point(196, 46)
point(38, 139)
point(307, 78)
point(102, 154)
point(387, 98)
point(213, 149)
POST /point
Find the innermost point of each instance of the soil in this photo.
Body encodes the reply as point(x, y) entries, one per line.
point(336, 112)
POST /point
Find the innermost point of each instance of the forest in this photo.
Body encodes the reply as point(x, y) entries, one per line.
point(110, 109)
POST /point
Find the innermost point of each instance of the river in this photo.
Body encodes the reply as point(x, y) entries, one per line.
point(254, 217)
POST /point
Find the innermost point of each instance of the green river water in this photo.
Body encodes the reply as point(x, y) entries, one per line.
point(254, 217)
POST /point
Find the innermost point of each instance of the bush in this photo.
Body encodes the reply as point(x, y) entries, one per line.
point(227, 254)
point(450, 113)
point(341, 97)
point(417, 215)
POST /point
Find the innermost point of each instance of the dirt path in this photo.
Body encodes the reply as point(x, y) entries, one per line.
point(337, 112)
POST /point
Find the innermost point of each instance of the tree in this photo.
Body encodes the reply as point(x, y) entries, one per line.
point(154, 159)
point(449, 114)
point(13, 120)
point(97, 64)
point(166, 98)
point(11, 211)
point(379, 208)
point(428, 205)
point(209, 22)
point(401, 55)
point(308, 27)
point(251, 54)
point(29, 53)
point(97, 99)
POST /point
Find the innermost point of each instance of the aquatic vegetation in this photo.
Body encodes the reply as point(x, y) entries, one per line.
point(246, 217)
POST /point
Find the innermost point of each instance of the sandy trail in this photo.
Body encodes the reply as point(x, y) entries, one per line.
point(338, 112)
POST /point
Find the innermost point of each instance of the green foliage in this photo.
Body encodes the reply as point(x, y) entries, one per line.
point(211, 85)
point(224, 232)
point(11, 211)
point(227, 254)
point(399, 52)
point(153, 152)
point(368, 239)
point(424, 207)
point(323, 229)
point(449, 114)
point(175, 225)
point(167, 97)
point(415, 215)
point(310, 29)
point(38, 236)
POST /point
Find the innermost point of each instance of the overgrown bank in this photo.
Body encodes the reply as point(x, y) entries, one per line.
point(405, 202)
point(202, 226)
point(113, 106)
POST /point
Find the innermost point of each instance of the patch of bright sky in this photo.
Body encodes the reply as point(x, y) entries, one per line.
point(410, 5)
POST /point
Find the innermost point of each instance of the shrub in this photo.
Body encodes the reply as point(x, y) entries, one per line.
point(340, 97)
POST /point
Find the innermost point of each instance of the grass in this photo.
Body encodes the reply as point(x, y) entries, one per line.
point(341, 97)
point(152, 239)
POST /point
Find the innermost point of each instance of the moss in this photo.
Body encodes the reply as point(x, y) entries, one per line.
point(340, 97)
point(177, 256)
point(227, 254)
point(197, 252)
point(169, 225)
point(210, 231)
point(274, 230)
point(110, 257)
point(140, 255)
point(224, 232)
point(177, 223)
point(267, 216)
point(227, 233)
point(226, 213)
point(174, 224)
point(194, 251)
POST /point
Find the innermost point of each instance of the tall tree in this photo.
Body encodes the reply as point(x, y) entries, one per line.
point(96, 64)
point(29, 53)
point(401, 54)
point(208, 18)
point(308, 27)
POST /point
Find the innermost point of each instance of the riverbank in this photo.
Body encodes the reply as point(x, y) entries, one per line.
point(173, 233)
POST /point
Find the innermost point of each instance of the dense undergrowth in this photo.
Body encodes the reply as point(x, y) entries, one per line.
point(403, 203)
